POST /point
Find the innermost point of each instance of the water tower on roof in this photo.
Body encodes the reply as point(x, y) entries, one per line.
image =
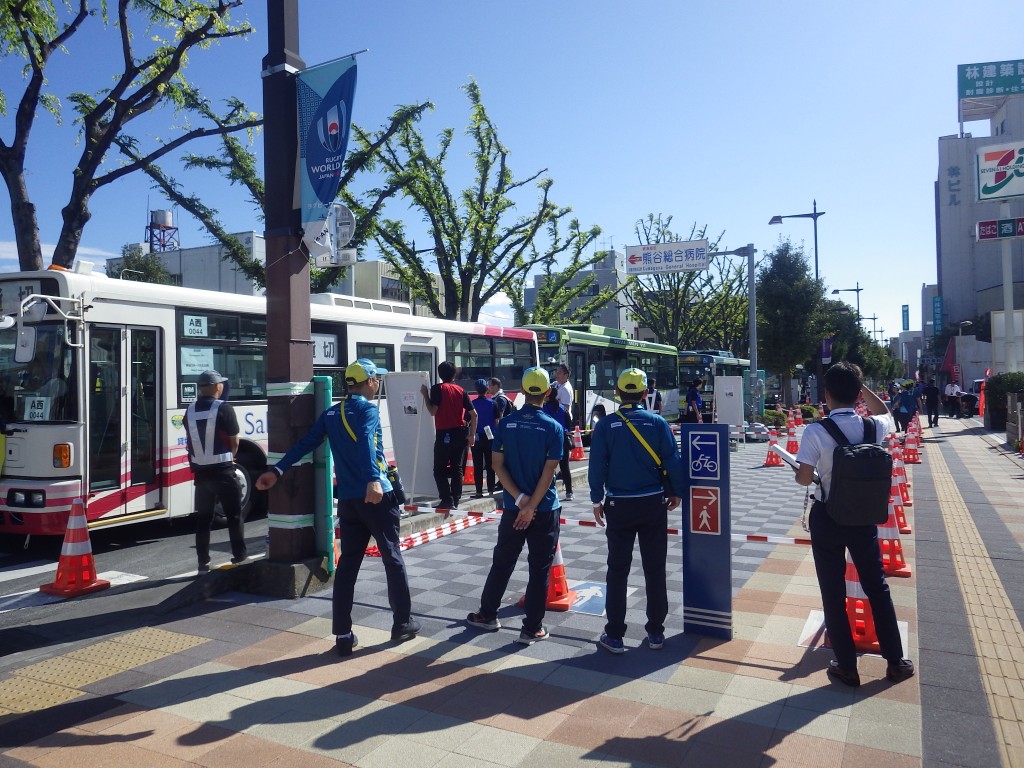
point(161, 234)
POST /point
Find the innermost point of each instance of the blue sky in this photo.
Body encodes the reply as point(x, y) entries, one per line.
point(719, 113)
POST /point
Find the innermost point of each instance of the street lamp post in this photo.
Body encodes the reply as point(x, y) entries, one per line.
point(814, 214)
point(962, 324)
point(856, 290)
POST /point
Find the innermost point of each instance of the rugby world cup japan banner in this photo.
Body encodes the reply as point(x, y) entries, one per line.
point(325, 96)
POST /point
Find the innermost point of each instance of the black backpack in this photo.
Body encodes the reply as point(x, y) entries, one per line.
point(861, 478)
point(509, 408)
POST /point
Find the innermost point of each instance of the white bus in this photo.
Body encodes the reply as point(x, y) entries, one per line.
point(96, 374)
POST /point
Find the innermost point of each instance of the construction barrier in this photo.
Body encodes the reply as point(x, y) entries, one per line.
point(76, 569)
point(408, 542)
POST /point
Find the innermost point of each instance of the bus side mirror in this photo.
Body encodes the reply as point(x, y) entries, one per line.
point(25, 349)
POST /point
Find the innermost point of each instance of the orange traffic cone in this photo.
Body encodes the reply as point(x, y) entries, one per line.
point(858, 611)
point(792, 446)
point(799, 416)
point(773, 460)
point(893, 563)
point(910, 452)
point(981, 403)
point(469, 474)
point(76, 569)
point(897, 501)
point(577, 454)
point(790, 421)
point(899, 470)
point(560, 597)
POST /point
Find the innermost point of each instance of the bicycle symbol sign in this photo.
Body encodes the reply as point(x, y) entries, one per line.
point(704, 456)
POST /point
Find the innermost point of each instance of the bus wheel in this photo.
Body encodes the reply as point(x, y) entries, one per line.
point(254, 502)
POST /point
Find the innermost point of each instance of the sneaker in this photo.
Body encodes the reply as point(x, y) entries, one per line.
point(655, 640)
point(898, 671)
point(526, 637)
point(478, 495)
point(240, 560)
point(570, 496)
point(845, 677)
point(480, 621)
point(612, 644)
point(406, 631)
point(344, 644)
point(203, 568)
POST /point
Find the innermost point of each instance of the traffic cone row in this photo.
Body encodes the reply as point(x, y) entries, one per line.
point(773, 460)
point(893, 562)
point(76, 569)
point(560, 597)
point(858, 611)
point(577, 454)
point(899, 470)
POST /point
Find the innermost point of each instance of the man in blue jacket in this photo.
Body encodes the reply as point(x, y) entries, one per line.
point(526, 451)
point(630, 499)
point(366, 500)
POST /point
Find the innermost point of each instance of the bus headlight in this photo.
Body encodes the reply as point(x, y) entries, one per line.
point(62, 456)
point(17, 498)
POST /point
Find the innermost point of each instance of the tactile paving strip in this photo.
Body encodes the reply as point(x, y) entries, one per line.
point(160, 640)
point(66, 671)
point(117, 655)
point(23, 694)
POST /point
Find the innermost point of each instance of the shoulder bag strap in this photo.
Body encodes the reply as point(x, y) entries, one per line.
point(834, 431)
point(344, 421)
point(640, 437)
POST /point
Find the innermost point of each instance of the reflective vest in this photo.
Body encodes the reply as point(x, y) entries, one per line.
point(202, 449)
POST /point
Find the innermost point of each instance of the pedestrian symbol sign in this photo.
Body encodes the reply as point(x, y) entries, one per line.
point(705, 510)
point(703, 456)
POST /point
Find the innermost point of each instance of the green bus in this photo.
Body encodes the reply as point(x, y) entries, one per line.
point(595, 356)
point(708, 364)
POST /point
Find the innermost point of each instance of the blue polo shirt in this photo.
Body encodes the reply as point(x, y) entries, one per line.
point(621, 466)
point(356, 462)
point(528, 439)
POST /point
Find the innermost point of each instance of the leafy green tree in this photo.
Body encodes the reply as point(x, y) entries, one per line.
point(789, 324)
point(560, 288)
point(156, 39)
point(478, 248)
point(139, 266)
point(690, 310)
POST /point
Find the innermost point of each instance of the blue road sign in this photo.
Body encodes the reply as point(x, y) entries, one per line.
point(590, 598)
point(703, 455)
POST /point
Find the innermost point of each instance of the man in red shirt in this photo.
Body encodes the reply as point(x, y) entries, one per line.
point(455, 428)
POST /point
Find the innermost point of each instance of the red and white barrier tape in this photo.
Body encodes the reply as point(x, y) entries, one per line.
point(463, 515)
point(408, 542)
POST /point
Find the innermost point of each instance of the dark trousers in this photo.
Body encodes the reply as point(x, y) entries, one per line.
point(482, 464)
point(953, 407)
point(541, 538)
point(902, 420)
point(211, 485)
point(450, 464)
point(357, 522)
point(829, 543)
point(644, 518)
point(933, 413)
point(563, 465)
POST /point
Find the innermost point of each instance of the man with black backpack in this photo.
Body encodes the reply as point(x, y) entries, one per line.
point(850, 502)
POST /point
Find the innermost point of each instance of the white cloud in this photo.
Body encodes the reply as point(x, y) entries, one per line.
point(498, 311)
point(9, 255)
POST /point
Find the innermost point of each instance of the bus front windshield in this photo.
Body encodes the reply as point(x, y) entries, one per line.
point(42, 389)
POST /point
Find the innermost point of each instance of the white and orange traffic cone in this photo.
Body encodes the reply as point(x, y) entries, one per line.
point(76, 569)
point(897, 502)
point(799, 416)
point(773, 460)
point(560, 597)
point(469, 473)
point(910, 451)
point(858, 611)
point(893, 562)
point(792, 445)
point(577, 454)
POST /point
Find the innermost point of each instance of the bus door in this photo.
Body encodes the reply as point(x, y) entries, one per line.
point(124, 425)
point(578, 365)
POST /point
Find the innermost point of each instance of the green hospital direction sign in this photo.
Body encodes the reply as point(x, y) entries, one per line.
point(1000, 229)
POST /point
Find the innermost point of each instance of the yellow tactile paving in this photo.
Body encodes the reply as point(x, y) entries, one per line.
point(69, 672)
point(54, 681)
point(991, 617)
point(160, 640)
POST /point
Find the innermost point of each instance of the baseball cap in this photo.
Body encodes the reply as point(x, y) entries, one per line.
point(536, 381)
point(361, 370)
point(208, 377)
point(481, 386)
point(632, 380)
